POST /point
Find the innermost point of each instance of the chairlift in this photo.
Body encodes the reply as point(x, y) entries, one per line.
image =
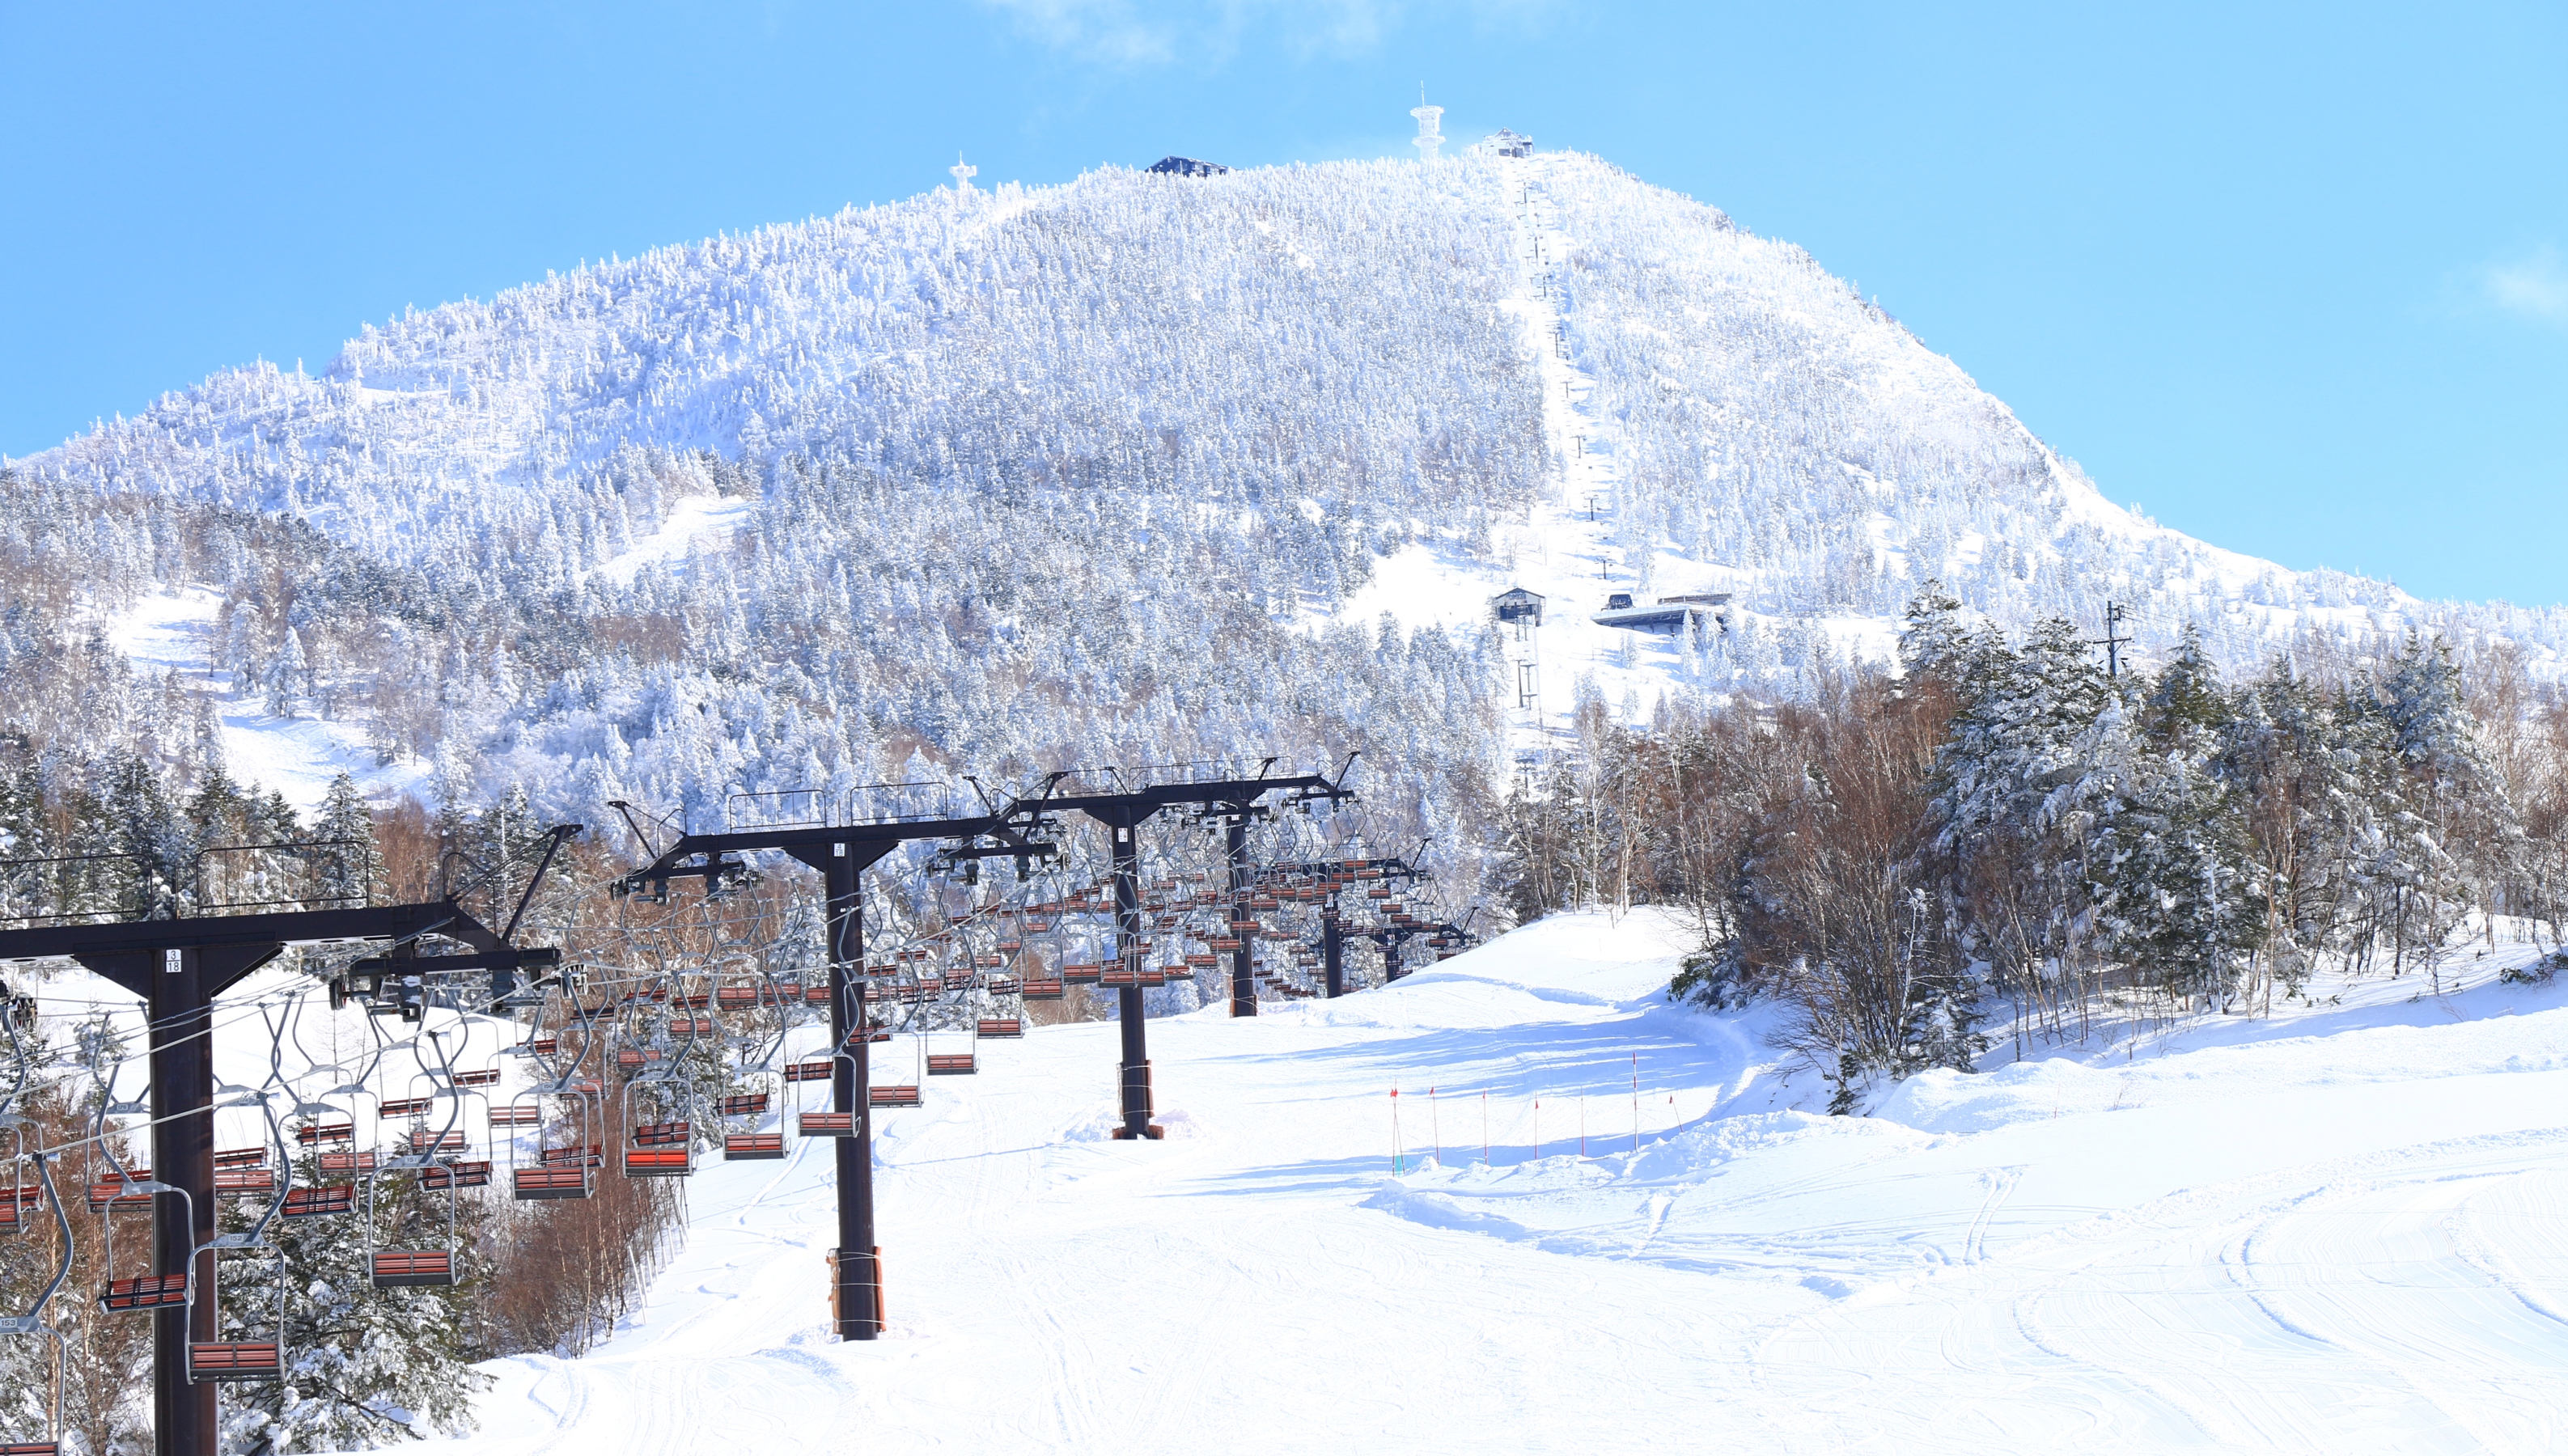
point(664, 1149)
point(564, 1171)
point(221, 1360)
point(824, 1123)
point(131, 1190)
point(749, 1145)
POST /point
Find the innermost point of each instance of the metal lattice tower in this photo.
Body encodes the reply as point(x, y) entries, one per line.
point(1430, 135)
point(963, 173)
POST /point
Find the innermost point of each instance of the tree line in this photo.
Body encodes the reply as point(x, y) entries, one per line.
point(2005, 833)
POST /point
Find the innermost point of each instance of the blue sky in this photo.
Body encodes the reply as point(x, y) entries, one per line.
point(2295, 279)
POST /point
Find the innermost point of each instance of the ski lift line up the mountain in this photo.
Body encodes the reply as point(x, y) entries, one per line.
point(179, 966)
point(592, 1023)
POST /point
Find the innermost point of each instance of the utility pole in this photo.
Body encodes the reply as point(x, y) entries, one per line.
point(2112, 641)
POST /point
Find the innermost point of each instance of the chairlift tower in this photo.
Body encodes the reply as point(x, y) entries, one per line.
point(1429, 138)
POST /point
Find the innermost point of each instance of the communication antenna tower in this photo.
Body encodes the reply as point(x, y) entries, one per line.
point(963, 174)
point(1430, 135)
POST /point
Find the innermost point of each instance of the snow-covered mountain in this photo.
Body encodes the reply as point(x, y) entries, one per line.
point(1133, 468)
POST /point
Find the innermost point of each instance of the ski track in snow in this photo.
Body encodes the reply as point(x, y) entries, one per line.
point(2232, 1245)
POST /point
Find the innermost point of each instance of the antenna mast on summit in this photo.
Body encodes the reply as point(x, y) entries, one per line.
point(1430, 135)
point(963, 173)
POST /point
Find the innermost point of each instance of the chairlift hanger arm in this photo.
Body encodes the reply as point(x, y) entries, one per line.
point(556, 837)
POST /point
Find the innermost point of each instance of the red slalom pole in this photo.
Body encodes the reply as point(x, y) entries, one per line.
point(1398, 1164)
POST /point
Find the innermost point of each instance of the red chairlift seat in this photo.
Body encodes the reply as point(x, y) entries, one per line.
point(1010, 947)
point(751, 1106)
point(1224, 942)
point(950, 1063)
point(241, 1158)
point(737, 998)
point(247, 1182)
point(809, 1071)
point(408, 1107)
point(545, 1046)
point(1002, 1027)
point(592, 1156)
point(1118, 977)
point(1155, 975)
point(1079, 973)
point(674, 1162)
point(695, 1001)
point(1005, 985)
point(661, 1134)
point(890, 1098)
point(826, 1124)
point(1044, 990)
point(146, 1291)
point(476, 1174)
point(488, 1076)
point(30, 1448)
point(311, 1203)
point(244, 1361)
point(1201, 961)
point(110, 1194)
point(403, 1268)
point(815, 995)
point(742, 1147)
point(449, 1142)
point(529, 1116)
point(347, 1162)
point(551, 1182)
point(692, 1026)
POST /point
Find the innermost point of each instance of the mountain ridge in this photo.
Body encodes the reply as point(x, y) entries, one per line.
point(1130, 469)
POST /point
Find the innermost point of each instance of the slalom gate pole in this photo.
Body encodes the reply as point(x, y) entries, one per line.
point(1397, 1165)
point(1636, 1101)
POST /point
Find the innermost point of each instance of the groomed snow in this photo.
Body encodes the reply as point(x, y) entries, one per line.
point(169, 632)
point(2339, 1229)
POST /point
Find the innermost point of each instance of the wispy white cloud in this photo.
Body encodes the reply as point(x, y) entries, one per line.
point(1136, 33)
point(2534, 286)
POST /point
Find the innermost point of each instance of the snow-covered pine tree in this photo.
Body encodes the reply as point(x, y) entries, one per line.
point(2164, 841)
point(347, 864)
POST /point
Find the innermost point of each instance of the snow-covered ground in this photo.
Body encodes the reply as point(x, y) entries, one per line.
point(1606, 1223)
point(709, 518)
point(171, 632)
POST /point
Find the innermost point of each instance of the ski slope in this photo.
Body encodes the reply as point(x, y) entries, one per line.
point(2339, 1229)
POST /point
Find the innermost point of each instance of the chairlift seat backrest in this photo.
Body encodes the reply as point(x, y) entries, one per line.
point(235, 1360)
point(146, 1291)
point(535, 1183)
point(893, 1097)
point(826, 1124)
point(397, 1268)
point(750, 1146)
point(307, 1203)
